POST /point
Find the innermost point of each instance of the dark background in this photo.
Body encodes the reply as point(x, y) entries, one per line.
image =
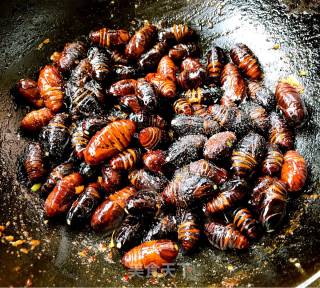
point(282, 259)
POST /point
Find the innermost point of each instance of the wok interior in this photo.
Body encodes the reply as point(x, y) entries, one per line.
point(60, 257)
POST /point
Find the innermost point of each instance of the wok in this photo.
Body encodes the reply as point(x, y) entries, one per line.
point(284, 258)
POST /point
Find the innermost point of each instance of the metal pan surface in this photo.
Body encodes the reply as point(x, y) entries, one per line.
point(80, 258)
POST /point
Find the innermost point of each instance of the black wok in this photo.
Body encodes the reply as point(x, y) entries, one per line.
point(285, 258)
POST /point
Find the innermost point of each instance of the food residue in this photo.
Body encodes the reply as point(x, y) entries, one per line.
point(44, 42)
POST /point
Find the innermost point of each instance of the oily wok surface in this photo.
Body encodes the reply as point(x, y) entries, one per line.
point(67, 257)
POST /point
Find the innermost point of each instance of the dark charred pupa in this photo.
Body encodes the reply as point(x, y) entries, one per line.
point(186, 148)
point(229, 118)
point(184, 124)
point(147, 95)
point(203, 95)
point(247, 155)
point(121, 72)
point(86, 100)
point(83, 207)
point(99, 63)
point(143, 179)
point(186, 190)
point(89, 172)
point(280, 134)
point(164, 227)
point(129, 233)
point(205, 168)
point(149, 60)
point(70, 56)
point(261, 95)
point(145, 203)
point(273, 206)
point(257, 115)
point(80, 75)
point(56, 137)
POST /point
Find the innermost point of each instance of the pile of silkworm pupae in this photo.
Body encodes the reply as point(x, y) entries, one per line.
point(139, 137)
